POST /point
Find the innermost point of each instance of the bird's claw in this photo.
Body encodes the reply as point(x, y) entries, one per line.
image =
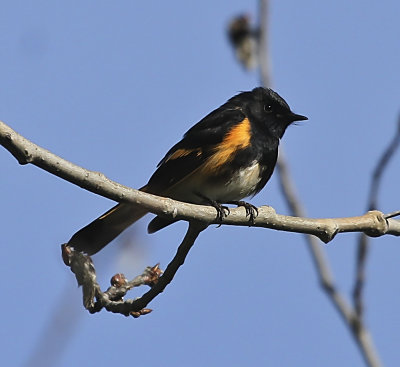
point(222, 212)
point(251, 210)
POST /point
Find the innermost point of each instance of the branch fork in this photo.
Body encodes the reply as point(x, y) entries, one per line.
point(94, 300)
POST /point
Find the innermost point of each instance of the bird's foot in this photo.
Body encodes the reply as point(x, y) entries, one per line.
point(222, 210)
point(251, 210)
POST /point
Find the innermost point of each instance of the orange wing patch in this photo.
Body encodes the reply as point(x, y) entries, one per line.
point(237, 138)
point(184, 152)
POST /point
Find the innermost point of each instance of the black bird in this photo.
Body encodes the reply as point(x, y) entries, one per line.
point(227, 156)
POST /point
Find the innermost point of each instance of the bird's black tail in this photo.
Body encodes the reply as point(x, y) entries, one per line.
point(96, 235)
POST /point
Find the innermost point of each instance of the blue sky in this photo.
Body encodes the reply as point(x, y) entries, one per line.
point(111, 86)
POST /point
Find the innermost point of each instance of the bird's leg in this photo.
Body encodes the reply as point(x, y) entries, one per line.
point(251, 210)
point(222, 210)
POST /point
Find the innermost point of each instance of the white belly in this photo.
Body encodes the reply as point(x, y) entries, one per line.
point(241, 185)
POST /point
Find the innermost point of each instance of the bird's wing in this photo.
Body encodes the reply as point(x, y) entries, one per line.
point(194, 149)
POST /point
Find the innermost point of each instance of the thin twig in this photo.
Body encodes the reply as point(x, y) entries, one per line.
point(195, 228)
point(363, 240)
point(381, 166)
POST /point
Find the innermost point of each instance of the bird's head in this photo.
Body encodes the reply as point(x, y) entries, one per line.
point(269, 110)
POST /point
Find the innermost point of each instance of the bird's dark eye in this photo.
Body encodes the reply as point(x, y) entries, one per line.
point(268, 108)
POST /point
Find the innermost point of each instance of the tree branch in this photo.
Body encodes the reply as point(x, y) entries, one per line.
point(372, 223)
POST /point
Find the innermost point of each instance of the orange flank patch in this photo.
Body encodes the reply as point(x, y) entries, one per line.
point(236, 139)
point(184, 152)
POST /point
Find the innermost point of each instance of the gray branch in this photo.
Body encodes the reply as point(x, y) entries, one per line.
point(373, 223)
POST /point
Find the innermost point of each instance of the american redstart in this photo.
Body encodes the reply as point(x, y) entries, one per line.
point(227, 156)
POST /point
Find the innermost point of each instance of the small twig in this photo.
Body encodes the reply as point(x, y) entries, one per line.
point(392, 215)
point(94, 300)
point(381, 166)
point(195, 228)
point(363, 240)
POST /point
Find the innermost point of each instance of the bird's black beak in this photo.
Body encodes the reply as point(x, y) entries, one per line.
point(295, 117)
